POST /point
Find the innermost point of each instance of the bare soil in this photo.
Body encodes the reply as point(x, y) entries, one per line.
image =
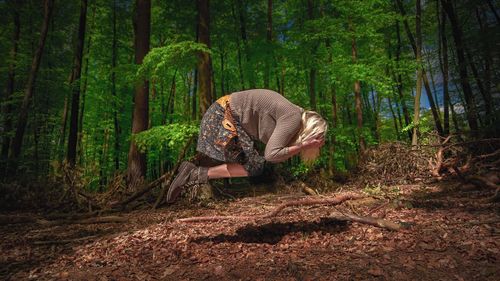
point(449, 234)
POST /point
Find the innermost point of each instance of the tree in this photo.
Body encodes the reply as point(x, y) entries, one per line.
point(428, 91)
point(418, 55)
point(136, 159)
point(75, 82)
point(462, 66)
point(205, 60)
point(15, 148)
point(443, 52)
point(11, 78)
point(357, 94)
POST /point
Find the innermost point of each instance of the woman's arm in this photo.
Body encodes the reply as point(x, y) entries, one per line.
point(295, 149)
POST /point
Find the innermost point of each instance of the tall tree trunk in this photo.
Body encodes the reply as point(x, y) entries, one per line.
point(282, 89)
point(244, 38)
point(238, 44)
point(357, 94)
point(312, 70)
point(16, 144)
point(269, 40)
point(444, 69)
point(84, 88)
point(394, 118)
point(464, 80)
point(487, 61)
point(418, 55)
point(399, 79)
point(76, 86)
point(171, 99)
point(488, 100)
point(194, 108)
point(11, 77)
point(454, 118)
point(205, 61)
point(114, 57)
point(136, 159)
point(222, 78)
point(428, 91)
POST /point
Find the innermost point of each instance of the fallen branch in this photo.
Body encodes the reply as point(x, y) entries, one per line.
point(307, 202)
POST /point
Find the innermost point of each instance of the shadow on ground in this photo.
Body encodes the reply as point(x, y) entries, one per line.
point(272, 233)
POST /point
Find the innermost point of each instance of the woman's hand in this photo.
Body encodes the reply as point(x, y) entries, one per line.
point(313, 143)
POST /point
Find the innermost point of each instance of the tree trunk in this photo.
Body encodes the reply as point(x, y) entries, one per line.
point(16, 144)
point(444, 69)
point(137, 160)
point(487, 61)
point(171, 99)
point(282, 89)
point(394, 118)
point(464, 80)
point(194, 108)
point(428, 90)
point(243, 32)
point(84, 89)
point(488, 100)
point(11, 77)
point(205, 61)
point(77, 71)
point(357, 95)
point(399, 79)
point(240, 67)
point(312, 70)
point(222, 78)
point(418, 55)
point(114, 57)
point(269, 40)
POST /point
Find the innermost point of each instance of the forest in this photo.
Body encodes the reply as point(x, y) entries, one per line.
point(101, 100)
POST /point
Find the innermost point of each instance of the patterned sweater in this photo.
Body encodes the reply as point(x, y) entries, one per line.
point(269, 117)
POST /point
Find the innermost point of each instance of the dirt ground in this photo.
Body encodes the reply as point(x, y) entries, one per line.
point(449, 234)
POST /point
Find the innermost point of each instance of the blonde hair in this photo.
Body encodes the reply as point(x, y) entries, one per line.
point(313, 126)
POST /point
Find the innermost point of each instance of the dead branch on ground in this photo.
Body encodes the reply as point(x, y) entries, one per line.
point(306, 202)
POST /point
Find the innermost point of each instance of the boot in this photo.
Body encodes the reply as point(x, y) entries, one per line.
point(188, 175)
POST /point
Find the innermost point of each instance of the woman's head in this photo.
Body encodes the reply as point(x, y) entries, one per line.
point(313, 127)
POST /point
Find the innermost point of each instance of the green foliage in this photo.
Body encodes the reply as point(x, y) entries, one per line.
point(170, 136)
point(300, 170)
point(160, 60)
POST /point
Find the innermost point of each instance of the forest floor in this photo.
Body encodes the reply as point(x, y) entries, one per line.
point(449, 234)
